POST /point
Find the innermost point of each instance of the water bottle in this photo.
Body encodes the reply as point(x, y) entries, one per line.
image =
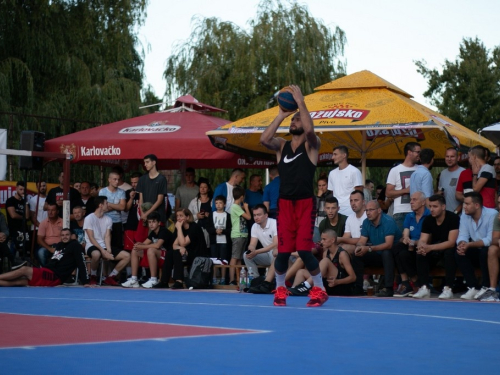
point(243, 279)
point(250, 278)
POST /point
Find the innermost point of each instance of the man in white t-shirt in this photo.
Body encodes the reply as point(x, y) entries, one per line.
point(344, 179)
point(265, 231)
point(38, 216)
point(398, 182)
point(97, 227)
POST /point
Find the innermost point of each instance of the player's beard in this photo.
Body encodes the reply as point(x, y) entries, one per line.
point(297, 131)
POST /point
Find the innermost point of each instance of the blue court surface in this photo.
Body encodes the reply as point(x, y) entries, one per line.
point(219, 332)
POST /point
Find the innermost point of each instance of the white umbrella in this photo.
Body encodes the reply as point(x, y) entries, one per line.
point(492, 132)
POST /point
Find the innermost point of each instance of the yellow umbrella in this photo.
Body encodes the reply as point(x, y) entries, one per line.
point(364, 112)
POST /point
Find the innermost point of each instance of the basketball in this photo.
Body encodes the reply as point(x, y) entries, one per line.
point(286, 101)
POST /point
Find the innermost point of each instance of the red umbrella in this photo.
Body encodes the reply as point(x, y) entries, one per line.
point(177, 137)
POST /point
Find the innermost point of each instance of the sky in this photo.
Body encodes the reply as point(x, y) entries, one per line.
point(383, 36)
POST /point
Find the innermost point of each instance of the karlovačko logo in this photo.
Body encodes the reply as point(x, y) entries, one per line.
point(342, 113)
point(100, 151)
point(152, 128)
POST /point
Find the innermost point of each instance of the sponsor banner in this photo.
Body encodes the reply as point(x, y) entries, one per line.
point(152, 128)
point(3, 158)
point(100, 151)
point(340, 113)
point(399, 132)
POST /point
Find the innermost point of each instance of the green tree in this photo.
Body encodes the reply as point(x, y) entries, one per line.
point(239, 70)
point(72, 59)
point(468, 89)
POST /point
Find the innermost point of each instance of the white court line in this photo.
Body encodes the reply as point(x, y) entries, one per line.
point(247, 331)
point(324, 309)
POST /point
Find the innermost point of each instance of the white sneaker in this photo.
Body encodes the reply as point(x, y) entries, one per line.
point(480, 293)
point(423, 292)
point(130, 283)
point(447, 293)
point(470, 294)
point(490, 295)
point(149, 284)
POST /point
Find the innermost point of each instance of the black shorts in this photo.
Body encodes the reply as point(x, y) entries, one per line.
point(114, 250)
point(117, 235)
point(339, 290)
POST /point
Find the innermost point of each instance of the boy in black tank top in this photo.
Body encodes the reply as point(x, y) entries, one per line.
point(297, 161)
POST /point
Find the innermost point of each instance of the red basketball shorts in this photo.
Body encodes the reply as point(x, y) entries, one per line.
point(44, 277)
point(296, 224)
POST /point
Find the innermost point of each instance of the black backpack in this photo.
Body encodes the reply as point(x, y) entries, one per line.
point(200, 276)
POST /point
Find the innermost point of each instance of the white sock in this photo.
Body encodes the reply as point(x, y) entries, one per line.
point(307, 284)
point(318, 280)
point(114, 273)
point(93, 272)
point(280, 280)
point(133, 278)
point(154, 279)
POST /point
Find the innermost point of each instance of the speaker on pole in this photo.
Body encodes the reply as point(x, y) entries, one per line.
point(32, 141)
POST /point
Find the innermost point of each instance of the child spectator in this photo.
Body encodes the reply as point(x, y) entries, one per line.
point(222, 231)
point(239, 230)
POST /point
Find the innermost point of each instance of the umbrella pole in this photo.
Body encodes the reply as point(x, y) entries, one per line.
point(363, 155)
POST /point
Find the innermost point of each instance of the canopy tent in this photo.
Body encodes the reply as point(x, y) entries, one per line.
point(364, 112)
point(492, 132)
point(176, 136)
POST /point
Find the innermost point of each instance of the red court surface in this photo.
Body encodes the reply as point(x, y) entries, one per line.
point(54, 330)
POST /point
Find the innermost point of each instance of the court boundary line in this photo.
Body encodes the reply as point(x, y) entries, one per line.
point(324, 309)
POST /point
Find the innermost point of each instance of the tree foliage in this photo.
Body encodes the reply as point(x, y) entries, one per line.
point(72, 59)
point(468, 89)
point(240, 70)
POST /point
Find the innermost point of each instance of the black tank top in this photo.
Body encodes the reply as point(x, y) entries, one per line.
point(296, 173)
point(336, 262)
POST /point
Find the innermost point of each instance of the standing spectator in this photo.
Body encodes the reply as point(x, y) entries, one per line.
point(239, 230)
point(483, 176)
point(186, 192)
point(404, 251)
point(49, 234)
point(94, 191)
point(437, 243)
point(201, 208)
point(116, 204)
point(496, 165)
point(152, 188)
point(37, 215)
point(368, 190)
point(55, 196)
point(272, 192)
point(221, 230)
point(421, 179)
point(16, 208)
point(334, 220)
point(321, 195)
point(97, 227)
point(76, 226)
point(379, 233)
point(189, 243)
point(226, 188)
point(398, 182)
point(122, 184)
point(253, 195)
point(474, 238)
point(87, 198)
point(77, 186)
point(344, 179)
point(131, 207)
point(449, 179)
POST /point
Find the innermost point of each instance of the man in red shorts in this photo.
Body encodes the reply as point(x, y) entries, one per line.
point(67, 256)
point(297, 161)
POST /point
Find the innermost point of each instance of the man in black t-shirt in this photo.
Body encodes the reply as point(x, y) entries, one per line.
point(67, 256)
point(159, 241)
point(76, 226)
point(16, 208)
point(437, 241)
point(55, 196)
point(132, 202)
point(152, 188)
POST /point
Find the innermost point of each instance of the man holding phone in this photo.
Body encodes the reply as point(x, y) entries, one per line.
point(379, 233)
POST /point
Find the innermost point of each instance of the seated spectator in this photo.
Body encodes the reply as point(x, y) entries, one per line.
point(4, 235)
point(321, 195)
point(474, 238)
point(66, 258)
point(336, 269)
point(437, 242)
point(97, 228)
point(189, 243)
point(379, 233)
point(55, 196)
point(76, 226)
point(94, 190)
point(265, 231)
point(491, 295)
point(221, 231)
point(49, 234)
point(334, 220)
point(404, 250)
point(159, 241)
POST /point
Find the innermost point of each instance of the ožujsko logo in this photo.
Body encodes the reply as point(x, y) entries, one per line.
point(342, 113)
point(152, 128)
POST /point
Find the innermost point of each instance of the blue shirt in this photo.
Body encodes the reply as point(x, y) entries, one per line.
point(421, 180)
point(114, 198)
point(414, 227)
point(376, 234)
point(253, 198)
point(272, 192)
point(482, 231)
